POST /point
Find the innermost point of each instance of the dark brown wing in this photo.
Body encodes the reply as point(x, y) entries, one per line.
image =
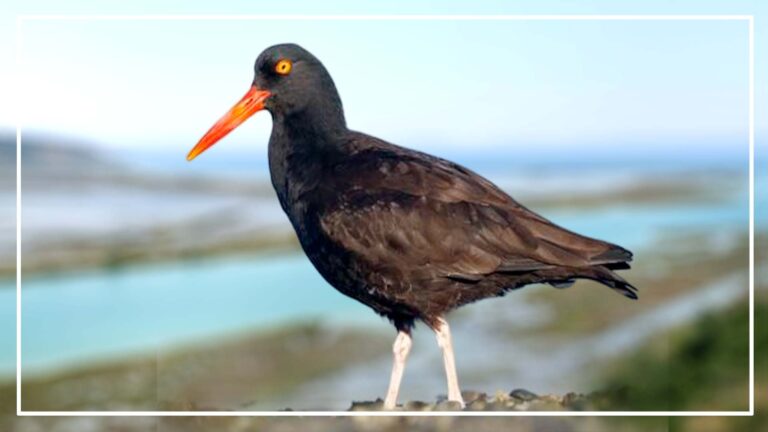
point(403, 209)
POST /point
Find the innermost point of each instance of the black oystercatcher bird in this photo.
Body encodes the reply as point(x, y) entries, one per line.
point(408, 234)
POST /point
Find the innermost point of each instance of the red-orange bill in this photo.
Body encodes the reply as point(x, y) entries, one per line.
point(252, 102)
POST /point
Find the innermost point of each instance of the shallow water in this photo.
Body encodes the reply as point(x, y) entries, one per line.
point(85, 315)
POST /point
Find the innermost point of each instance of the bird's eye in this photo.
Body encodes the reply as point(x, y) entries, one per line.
point(283, 67)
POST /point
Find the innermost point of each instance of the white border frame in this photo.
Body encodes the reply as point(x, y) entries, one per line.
point(748, 18)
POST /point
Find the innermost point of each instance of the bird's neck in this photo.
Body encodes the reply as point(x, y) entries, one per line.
point(301, 144)
point(307, 134)
point(313, 123)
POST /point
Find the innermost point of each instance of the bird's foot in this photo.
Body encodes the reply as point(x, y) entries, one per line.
point(389, 405)
point(458, 399)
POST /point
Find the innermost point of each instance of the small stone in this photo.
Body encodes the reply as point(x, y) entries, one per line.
point(470, 396)
point(544, 405)
point(448, 405)
point(523, 395)
point(498, 405)
point(575, 401)
point(500, 396)
point(377, 405)
point(550, 399)
point(417, 406)
point(478, 405)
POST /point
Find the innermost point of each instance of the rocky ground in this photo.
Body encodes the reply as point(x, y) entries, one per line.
point(516, 400)
point(520, 400)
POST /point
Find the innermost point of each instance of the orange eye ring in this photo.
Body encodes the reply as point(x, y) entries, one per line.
point(283, 67)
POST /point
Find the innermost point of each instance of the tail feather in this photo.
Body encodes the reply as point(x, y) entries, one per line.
point(614, 256)
point(622, 265)
point(610, 279)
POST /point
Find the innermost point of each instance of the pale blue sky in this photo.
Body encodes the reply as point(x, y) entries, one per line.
point(458, 85)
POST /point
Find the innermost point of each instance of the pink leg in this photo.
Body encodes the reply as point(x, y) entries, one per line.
point(400, 349)
point(443, 333)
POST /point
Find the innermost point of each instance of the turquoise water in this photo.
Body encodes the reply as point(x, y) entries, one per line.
point(97, 313)
point(77, 316)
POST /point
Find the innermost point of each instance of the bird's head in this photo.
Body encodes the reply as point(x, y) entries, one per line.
point(288, 81)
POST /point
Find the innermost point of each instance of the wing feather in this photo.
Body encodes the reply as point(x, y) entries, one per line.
point(406, 209)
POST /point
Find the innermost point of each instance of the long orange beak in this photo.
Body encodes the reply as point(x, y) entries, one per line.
point(252, 102)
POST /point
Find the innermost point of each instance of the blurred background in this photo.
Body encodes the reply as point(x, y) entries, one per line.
point(150, 283)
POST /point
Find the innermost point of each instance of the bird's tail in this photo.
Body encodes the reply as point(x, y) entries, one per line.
point(610, 279)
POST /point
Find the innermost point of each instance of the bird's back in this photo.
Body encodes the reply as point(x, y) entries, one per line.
point(430, 235)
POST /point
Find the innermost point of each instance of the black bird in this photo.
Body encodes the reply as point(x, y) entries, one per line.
point(410, 235)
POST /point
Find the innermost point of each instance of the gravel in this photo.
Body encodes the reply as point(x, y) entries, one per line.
point(516, 400)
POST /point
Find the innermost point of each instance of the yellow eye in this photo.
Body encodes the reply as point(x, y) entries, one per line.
point(283, 67)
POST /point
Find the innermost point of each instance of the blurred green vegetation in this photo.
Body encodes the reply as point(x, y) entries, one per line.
point(689, 369)
point(702, 367)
